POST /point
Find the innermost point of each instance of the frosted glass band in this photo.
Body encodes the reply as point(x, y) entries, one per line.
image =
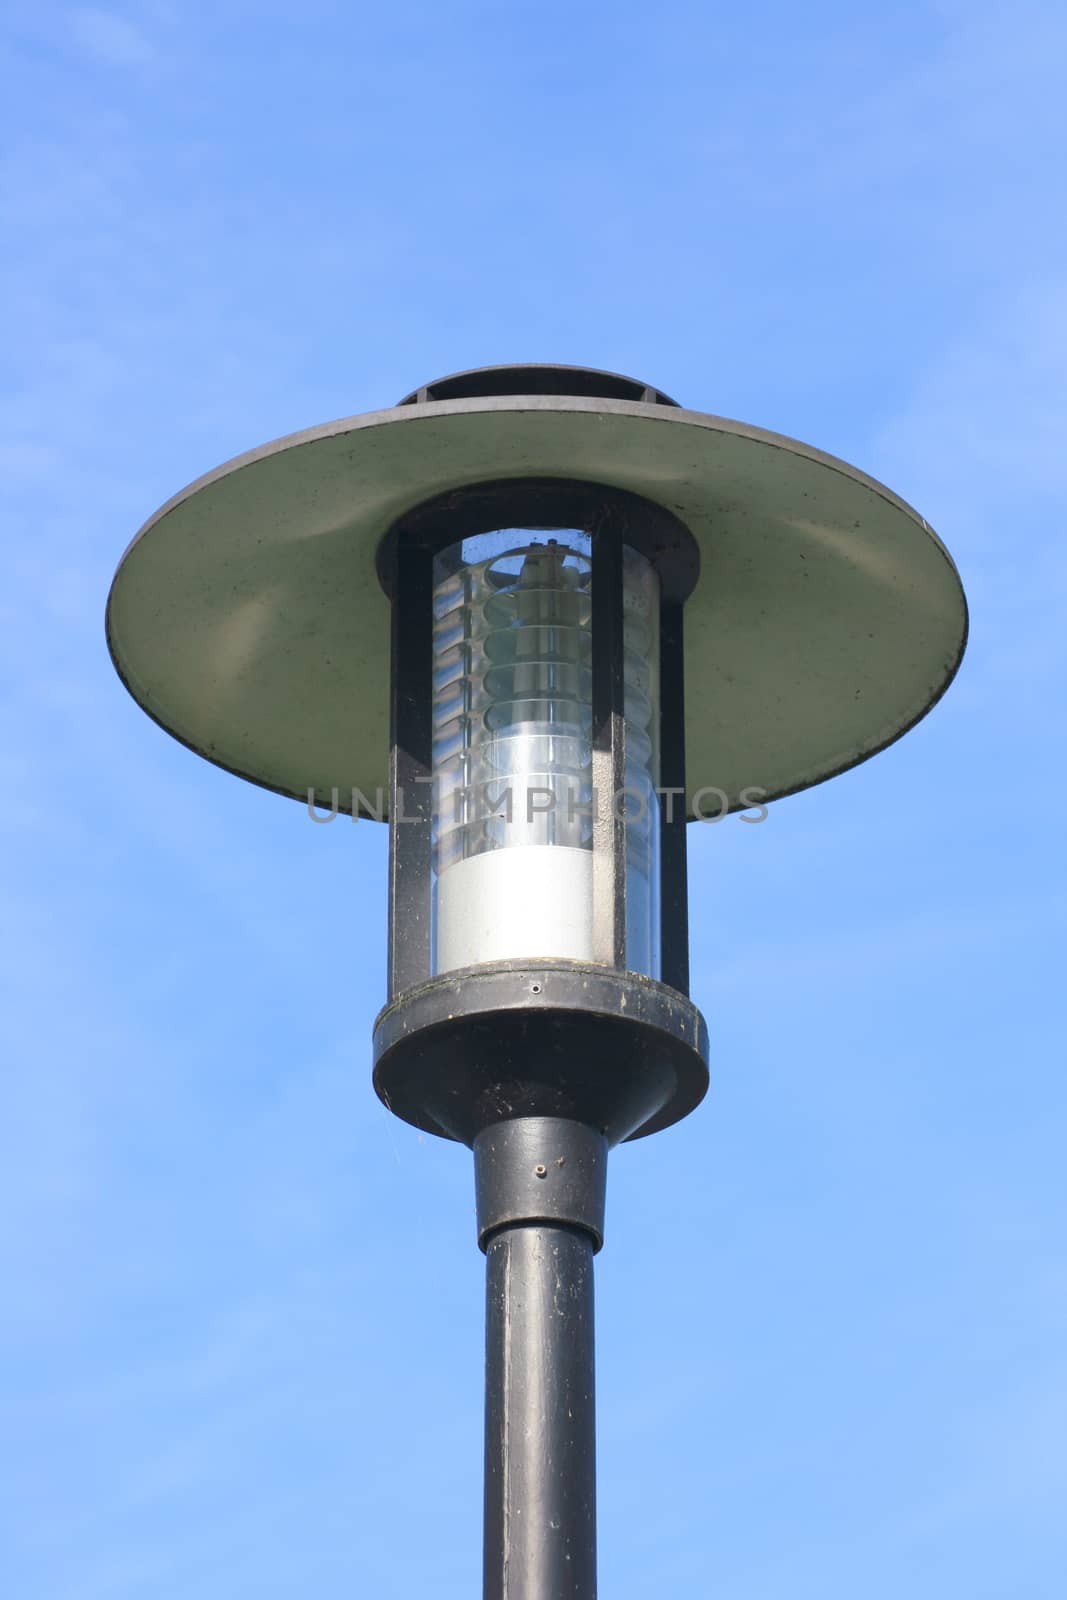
point(517, 904)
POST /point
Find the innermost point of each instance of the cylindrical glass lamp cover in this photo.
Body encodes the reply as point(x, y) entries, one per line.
point(514, 805)
point(537, 784)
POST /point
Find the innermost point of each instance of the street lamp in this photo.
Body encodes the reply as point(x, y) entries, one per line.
point(539, 617)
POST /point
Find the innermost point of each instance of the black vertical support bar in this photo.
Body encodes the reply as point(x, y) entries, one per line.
point(540, 1186)
point(540, 1486)
point(674, 885)
point(609, 752)
point(410, 759)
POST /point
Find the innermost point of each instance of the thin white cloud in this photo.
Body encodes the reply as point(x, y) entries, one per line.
point(110, 38)
point(987, 421)
point(980, 449)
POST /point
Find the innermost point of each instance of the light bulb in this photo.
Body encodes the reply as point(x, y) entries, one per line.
point(512, 758)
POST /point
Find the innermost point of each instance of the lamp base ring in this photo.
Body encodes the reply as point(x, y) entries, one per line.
point(616, 1050)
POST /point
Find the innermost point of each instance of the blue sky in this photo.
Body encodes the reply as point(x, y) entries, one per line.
point(241, 1341)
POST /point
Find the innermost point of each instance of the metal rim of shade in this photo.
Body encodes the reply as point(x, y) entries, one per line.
point(246, 616)
point(534, 377)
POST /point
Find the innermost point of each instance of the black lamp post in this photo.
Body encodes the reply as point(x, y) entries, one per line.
point(540, 617)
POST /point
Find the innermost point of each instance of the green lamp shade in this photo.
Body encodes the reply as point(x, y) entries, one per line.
point(248, 619)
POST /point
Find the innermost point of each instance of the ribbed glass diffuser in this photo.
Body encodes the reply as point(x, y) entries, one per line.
point(512, 758)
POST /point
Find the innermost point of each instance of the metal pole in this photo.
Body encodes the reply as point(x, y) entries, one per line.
point(540, 1187)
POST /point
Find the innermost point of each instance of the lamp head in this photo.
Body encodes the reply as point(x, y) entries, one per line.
point(537, 616)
